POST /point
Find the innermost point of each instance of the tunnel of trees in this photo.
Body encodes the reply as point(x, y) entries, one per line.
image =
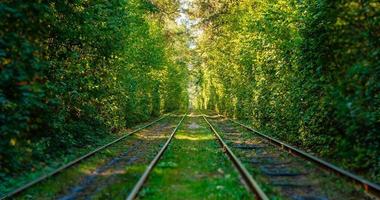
point(307, 72)
point(73, 72)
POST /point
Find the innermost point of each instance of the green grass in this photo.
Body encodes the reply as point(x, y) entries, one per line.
point(194, 167)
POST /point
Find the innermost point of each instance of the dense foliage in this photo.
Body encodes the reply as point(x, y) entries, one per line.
point(72, 71)
point(307, 72)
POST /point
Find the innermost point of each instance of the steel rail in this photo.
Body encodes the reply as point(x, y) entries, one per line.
point(43, 177)
point(248, 179)
point(368, 186)
point(136, 189)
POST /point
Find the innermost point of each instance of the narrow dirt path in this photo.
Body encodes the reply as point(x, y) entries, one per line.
point(194, 167)
point(111, 173)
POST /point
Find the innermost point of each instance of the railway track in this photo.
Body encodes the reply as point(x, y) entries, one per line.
point(195, 137)
point(59, 170)
point(292, 173)
point(133, 194)
point(269, 168)
point(369, 187)
point(249, 181)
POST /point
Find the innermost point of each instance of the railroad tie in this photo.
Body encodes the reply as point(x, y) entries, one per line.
point(272, 171)
point(309, 198)
point(247, 146)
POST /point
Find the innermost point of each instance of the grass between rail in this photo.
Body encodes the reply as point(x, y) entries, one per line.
point(194, 167)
